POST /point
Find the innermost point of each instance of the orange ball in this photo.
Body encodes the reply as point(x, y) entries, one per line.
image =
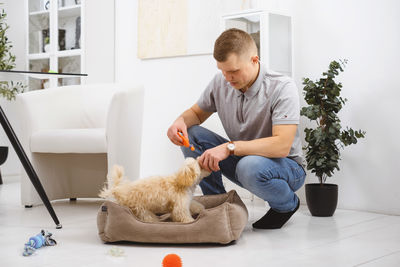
point(172, 260)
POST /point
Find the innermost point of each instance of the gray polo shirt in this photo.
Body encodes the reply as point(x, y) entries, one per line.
point(272, 99)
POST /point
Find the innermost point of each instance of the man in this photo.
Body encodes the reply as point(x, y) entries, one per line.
point(259, 110)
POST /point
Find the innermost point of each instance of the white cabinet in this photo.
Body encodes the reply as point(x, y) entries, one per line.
point(272, 33)
point(70, 36)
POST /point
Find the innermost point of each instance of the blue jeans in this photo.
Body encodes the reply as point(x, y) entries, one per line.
point(273, 179)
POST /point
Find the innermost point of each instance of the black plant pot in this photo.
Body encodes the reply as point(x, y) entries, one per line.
point(322, 199)
point(3, 158)
point(3, 154)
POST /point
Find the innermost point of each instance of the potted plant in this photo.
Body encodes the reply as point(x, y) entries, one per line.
point(8, 90)
point(326, 139)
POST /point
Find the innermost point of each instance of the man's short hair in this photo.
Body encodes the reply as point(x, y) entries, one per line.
point(233, 41)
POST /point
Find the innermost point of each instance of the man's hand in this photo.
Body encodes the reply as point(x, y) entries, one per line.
point(210, 159)
point(193, 116)
point(172, 133)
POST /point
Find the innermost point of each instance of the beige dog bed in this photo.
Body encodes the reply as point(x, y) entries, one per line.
point(222, 221)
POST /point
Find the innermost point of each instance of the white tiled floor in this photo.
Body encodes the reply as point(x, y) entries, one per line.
point(349, 238)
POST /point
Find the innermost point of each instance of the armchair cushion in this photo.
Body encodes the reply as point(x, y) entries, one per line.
point(69, 141)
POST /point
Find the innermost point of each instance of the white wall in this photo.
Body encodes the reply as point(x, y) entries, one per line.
point(367, 33)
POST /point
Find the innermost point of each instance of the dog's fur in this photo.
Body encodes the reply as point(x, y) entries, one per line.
point(159, 195)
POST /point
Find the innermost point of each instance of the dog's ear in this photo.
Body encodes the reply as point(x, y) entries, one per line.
point(187, 175)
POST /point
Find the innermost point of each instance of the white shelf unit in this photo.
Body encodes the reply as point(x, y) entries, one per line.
point(39, 13)
point(55, 40)
point(272, 32)
point(38, 56)
point(93, 55)
point(69, 11)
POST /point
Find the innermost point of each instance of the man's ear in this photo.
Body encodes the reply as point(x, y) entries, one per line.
point(255, 59)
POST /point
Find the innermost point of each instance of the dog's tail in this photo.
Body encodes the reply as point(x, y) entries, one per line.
point(114, 179)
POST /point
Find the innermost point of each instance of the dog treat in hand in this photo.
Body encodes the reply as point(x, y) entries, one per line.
point(186, 141)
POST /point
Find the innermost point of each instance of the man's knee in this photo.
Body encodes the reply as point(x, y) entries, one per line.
point(250, 169)
point(195, 131)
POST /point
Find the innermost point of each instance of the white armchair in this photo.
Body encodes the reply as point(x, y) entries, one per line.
point(74, 134)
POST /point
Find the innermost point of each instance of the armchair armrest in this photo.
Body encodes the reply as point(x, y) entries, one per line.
point(124, 129)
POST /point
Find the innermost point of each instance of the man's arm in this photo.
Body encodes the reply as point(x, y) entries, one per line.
point(193, 116)
point(276, 146)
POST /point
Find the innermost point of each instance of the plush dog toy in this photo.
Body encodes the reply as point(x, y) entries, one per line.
point(38, 241)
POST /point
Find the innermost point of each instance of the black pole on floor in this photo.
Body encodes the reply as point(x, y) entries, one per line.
point(27, 166)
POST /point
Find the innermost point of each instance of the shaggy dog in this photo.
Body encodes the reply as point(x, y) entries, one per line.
point(159, 194)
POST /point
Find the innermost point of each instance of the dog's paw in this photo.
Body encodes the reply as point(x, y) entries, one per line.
point(187, 220)
point(183, 217)
point(149, 219)
point(146, 216)
point(196, 207)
